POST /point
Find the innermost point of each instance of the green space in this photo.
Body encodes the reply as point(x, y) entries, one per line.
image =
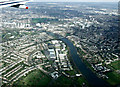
point(70, 72)
point(33, 79)
point(82, 80)
point(114, 75)
point(116, 65)
point(64, 81)
point(114, 78)
point(43, 20)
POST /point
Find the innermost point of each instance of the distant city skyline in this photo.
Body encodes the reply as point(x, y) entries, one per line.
point(77, 0)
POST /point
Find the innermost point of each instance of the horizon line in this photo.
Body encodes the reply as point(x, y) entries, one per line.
point(71, 1)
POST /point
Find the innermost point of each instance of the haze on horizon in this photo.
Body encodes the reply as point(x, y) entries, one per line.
point(76, 0)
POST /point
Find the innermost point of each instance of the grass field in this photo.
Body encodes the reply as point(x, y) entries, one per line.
point(39, 79)
point(64, 81)
point(114, 78)
point(116, 65)
point(70, 72)
point(34, 79)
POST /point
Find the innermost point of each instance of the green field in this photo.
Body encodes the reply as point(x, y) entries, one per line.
point(44, 20)
point(64, 81)
point(82, 80)
point(116, 65)
point(34, 79)
point(70, 72)
point(114, 78)
point(38, 79)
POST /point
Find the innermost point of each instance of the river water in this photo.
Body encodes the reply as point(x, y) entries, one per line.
point(91, 77)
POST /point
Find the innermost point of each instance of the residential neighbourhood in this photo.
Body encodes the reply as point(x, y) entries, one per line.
point(32, 44)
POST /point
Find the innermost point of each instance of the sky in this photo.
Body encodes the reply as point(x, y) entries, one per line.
point(77, 0)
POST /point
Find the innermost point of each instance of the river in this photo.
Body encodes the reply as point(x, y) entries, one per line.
point(91, 77)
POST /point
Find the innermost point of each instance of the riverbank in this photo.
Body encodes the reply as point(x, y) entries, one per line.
point(89, 75)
